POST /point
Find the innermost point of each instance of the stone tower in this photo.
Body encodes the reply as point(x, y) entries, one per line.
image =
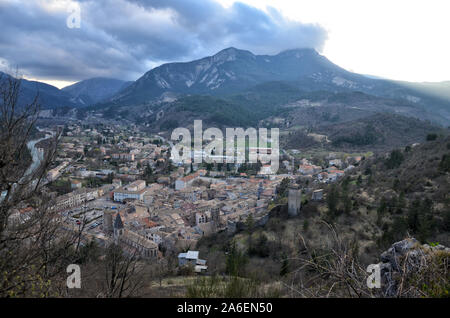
point(108, 221)
point(294, 200)
point(215, 217)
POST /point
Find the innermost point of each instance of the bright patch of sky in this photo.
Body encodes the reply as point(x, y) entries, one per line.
point(401, 39)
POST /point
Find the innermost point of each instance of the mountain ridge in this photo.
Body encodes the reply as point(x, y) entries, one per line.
point(48, 96)
point(232, 71)
point(96, 89)
point(228, 71)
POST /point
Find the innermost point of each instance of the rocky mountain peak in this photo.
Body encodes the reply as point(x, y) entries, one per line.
point(231, 54)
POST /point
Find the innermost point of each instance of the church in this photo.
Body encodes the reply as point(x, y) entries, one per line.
point(131, 240)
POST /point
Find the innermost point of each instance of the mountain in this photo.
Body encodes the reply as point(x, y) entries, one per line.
point(229, 71)
point(95, 90)
point(233, 71)
point(264, 85)
point(49, 96)
point(270, 104)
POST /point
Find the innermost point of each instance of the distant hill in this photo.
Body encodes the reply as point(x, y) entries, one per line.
point(49, 96)
point(438, 89)
point(83, 93)
point(381, 131)
point(386, 130)
point(95, 90)
point(320, 108)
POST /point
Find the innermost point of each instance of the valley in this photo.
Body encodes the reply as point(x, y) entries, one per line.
point(363, 163)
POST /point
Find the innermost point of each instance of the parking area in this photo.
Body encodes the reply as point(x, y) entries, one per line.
point(91, 213)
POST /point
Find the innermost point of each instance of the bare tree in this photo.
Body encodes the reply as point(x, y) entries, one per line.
point(122, 273)
point(333, 272)
point(161, 269)
point(35, 246)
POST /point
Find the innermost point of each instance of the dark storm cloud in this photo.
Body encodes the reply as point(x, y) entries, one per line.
point(124, 38)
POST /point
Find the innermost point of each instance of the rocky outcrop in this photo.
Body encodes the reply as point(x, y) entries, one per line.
point(407, 267)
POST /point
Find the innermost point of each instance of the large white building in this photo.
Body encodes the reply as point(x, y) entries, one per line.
point(134, 190)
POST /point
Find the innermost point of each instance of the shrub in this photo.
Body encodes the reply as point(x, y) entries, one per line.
point(395, 159)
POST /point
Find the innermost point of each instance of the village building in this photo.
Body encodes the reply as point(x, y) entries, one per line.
point(186, 181)
point(266, 169)
point(123, 156)
point(135, 191)
point(133, 241)
point(75, 184)
point(75, 198)
point(317, 195)
point(191, 257)
point(335, 162)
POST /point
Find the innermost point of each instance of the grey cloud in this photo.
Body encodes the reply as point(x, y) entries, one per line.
point(124, 38)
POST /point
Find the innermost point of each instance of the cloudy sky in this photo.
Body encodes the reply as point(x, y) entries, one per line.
point(402, 39)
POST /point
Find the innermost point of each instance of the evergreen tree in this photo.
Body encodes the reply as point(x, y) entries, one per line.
point(332, 200)
point(235, 262)
point(395, 159)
